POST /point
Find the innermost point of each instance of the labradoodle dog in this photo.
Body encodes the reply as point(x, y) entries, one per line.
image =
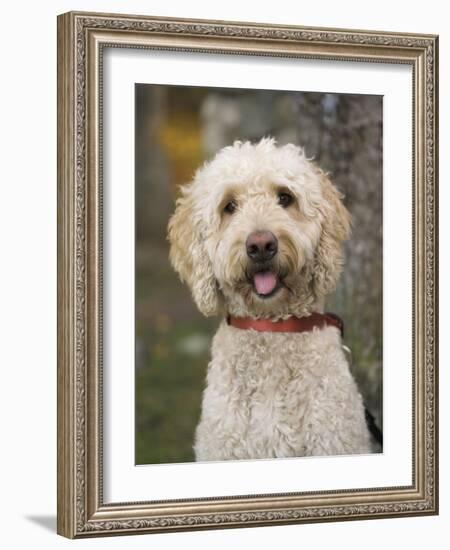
point(258, 238)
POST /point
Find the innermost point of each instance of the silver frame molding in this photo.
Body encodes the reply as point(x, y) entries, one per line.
point(81, 39)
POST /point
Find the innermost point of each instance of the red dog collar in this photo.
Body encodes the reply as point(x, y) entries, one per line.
point(293, 324)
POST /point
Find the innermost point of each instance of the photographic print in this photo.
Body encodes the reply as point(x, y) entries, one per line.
point(268, 206)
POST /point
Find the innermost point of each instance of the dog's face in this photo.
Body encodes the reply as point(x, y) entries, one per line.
point(259, 233)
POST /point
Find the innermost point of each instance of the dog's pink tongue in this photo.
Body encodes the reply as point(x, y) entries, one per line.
point(265, 282)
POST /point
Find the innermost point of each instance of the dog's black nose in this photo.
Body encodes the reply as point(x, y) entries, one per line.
point(261, 246)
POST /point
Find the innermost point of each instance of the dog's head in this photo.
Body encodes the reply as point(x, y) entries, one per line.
point(259, 232)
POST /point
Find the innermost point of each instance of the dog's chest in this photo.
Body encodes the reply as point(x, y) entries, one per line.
point(273, 399)
point(266, 385)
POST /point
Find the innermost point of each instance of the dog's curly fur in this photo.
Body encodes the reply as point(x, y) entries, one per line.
point(268, 394)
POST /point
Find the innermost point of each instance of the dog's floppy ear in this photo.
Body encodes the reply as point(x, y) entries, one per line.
point(188, 254)
point(329, 258)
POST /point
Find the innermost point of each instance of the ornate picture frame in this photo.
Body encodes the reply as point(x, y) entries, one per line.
point(82, 39)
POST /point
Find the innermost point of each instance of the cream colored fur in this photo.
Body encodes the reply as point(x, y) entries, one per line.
point(268, 394)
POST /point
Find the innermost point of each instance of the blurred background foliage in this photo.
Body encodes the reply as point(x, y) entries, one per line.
point(177, 129)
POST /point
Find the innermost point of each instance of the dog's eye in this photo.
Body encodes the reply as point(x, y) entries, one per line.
point(230, 207)
point(285, 199)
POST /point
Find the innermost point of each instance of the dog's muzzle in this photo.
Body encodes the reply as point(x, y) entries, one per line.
point(261, 246)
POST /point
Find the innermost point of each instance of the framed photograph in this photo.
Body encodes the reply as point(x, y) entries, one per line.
point(247, 288)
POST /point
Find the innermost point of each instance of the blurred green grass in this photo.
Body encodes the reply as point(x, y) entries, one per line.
point(172, 354)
